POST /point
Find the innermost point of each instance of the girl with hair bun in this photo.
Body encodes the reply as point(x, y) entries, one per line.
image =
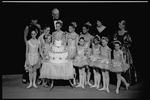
point(88, 40)
point(72, 42)
point(81, 61)
point(119, 65)
point(105, 63)
point(95, 60)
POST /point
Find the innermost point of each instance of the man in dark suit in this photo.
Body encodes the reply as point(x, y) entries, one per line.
point(55, 18)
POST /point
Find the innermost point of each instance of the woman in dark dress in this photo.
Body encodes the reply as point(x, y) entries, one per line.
point(101, 30)
point(123, 36)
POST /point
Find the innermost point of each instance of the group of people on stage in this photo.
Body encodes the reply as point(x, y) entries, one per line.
point(89, 54)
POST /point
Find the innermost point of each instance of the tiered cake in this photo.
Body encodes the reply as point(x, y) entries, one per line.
point(58, 54)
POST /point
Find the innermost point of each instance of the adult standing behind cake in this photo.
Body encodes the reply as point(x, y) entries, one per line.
point(55, 19)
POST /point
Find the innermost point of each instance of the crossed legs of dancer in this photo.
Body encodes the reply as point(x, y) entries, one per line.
point(119, 79)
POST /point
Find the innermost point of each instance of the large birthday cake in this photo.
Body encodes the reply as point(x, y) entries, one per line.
point(58, 53)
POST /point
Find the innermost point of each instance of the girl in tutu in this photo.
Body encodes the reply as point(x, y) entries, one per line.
point(80, 61)
point(32, 58)
point(72, 40)
point(43, 38)
point(119, 65)
point(88, 40)
point(95, 60)
point(105, 63)
point(45, 57)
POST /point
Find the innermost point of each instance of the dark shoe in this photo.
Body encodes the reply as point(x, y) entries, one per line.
point(24, 81)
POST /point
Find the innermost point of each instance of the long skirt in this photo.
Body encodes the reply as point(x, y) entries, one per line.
point(131, 74)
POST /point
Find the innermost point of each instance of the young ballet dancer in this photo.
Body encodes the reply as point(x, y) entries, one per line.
point(45, 54)
point(43, 38)
point(119, 65)
point(80, 61)
point(88, 40)
point(32, 58)
point(105, 63)
point(72, 42)
point(95, 60)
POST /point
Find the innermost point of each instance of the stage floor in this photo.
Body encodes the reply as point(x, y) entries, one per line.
point(12, 87)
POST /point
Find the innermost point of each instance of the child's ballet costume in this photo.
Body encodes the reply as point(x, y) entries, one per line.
point(104, 63)
point(117, 64)
point(81, 59)
point(95, 58)
point(33, 55)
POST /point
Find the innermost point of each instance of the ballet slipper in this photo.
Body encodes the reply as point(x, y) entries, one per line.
point(30, 85)
point(107, 90)
point(102, 89)
point(86, 83)
point(35, 86)
point(93, 86)
point(79, 85)
point(89, 84)
point(117, 91)
point(127, 86)
point(83, 87)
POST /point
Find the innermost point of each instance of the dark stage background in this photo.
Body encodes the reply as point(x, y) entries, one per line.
point(16, 16)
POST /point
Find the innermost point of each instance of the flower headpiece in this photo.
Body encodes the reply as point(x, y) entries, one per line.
point(98, 37)
point(116, 41)
point(74, 24)
point(105, 38)
point(88, 23)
